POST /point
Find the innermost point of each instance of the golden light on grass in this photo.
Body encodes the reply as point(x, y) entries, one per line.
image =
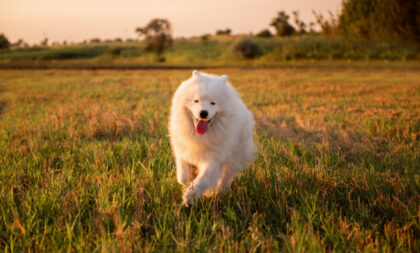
point(86, 161)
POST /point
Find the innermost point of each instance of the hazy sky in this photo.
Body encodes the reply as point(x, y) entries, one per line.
point(76, 20)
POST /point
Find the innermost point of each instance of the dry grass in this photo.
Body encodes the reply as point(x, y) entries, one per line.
point(86, 165)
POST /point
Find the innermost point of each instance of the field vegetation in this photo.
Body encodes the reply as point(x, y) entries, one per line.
point(218, 51)
point(364, 30)
point(86, 165)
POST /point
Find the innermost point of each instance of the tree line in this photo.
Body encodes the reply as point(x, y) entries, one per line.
point(377, 20)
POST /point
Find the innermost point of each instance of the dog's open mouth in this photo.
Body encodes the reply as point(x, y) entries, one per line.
point(202, 125)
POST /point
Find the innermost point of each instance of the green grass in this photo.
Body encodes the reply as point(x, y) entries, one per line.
point(86, 164)
point(216, 51)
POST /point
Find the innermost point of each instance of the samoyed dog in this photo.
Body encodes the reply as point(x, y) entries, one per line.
point(211, 132)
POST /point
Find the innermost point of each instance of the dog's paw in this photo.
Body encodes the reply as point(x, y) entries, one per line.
point(210, 193)
point(189, 197)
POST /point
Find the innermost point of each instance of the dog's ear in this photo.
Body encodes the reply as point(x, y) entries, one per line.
point(224, 78)
point(196, 73)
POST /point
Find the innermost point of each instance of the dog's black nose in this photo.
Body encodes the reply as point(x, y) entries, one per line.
point(204, 114)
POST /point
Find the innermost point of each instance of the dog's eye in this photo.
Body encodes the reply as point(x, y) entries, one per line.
point(212, 103)
point(196, 101)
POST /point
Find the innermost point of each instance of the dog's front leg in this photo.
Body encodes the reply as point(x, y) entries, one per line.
point(184, 172)
point(207, 178)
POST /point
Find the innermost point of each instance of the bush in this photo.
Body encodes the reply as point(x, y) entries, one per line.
point(227, 31)
point(383, 20)
point(245, 48)
point(115, 51)
point(4, 42)
point(205, 38)
point(264, 34)
point(71, 53)
point(95, 40)
point(42, 53)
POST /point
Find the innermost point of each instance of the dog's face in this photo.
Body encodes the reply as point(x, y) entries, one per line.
point(203, 109)
point(205, 100)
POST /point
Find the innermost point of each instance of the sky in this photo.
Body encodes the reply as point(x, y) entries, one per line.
point(77, 20)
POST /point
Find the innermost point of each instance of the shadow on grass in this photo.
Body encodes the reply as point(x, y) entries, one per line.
point(339, 148)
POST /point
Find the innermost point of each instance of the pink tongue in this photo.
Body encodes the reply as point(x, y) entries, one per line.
point(202, 126)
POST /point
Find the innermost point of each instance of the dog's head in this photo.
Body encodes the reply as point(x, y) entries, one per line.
point(206, 97)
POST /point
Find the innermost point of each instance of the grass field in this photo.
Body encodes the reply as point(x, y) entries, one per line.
point(86, 164)
point(215, 51)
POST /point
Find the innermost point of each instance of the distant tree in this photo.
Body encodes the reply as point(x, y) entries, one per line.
point(118, 40)
point(19, 43)
point(4, 42)
point(328, 27)
point(95, 40)
point(311, 27)
point(281, 24)
point(383, 20)
point(157, 35)
point(227, 31)
point(301, 26)
point(264, 34)
point(44, 42)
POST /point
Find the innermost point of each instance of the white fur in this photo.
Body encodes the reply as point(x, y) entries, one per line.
point(224, 150)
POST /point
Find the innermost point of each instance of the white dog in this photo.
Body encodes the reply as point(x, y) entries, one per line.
point(211, 133)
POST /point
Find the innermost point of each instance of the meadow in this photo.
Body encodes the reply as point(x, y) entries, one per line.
point(209, 51)
point(86, 164)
